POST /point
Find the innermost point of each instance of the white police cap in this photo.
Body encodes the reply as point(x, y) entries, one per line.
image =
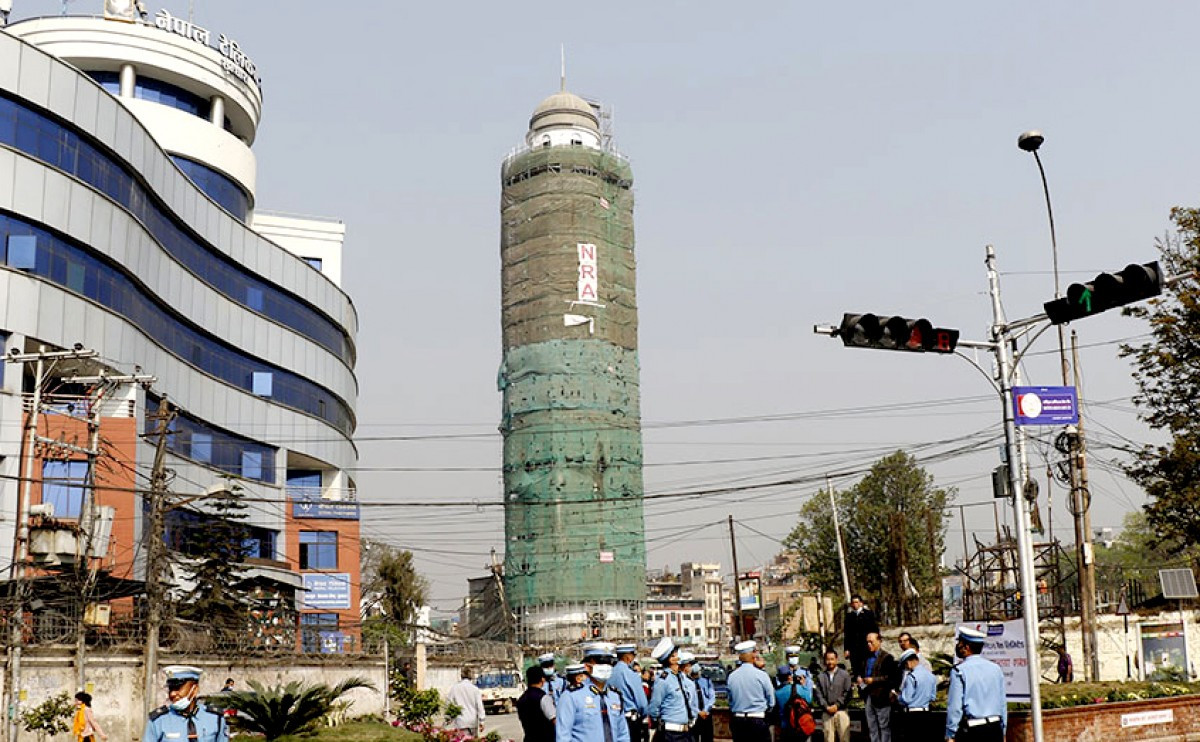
point(744, 647)
point(182, 672)
point(663, 649)
point(971, 636)
point(625, 649)
point(544, 658)
point(575, 669)
point(793, 649)
point(686, 658)
point(906, 655)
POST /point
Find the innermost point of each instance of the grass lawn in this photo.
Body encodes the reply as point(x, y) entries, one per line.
point(355, 731)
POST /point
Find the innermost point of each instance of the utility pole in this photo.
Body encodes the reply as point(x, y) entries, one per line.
point(837, 534)
point(737, 586)
point(89, 511)
point(12, 686)
point(1081, 499)
point(1005, 365)
point(156, 554)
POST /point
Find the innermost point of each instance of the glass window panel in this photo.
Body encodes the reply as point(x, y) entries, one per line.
point(262, 383)
point(252, 464)
point(63, 485)
point(202, 446)
point(22, 252)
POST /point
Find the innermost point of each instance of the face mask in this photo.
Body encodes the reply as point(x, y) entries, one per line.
point(549, 671)
point(181, 704)
point(601, 672)
point(794, 661)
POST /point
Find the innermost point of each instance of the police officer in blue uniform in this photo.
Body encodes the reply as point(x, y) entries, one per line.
point(751, 697)
point(184, 718)
point(687, 661)
point(555, 685)
point(628, 683)
point(976, 707)
point(917, 691)
point(800, 675)
point(702, 730)
point(669, 706)
point(575, 677)
point(592, 712)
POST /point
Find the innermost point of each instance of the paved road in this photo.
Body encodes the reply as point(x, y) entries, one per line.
point(508, 725)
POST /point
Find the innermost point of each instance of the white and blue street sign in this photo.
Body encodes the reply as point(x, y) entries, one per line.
point(1045, 405)
point(326, 590)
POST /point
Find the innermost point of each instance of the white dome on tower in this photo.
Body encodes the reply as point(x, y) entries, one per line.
point(564, 119)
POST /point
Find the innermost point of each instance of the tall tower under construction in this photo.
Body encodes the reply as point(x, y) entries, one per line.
point(575, 554)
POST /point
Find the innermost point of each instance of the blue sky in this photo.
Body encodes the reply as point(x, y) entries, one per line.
point(792, 161)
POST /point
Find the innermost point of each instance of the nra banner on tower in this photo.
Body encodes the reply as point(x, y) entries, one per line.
point(589, 279)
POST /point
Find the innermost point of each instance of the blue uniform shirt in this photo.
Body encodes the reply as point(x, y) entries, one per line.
point(693, 695)
point(918, 689)
point(629, 684)
point(668, 702)
point(750, 690)
point(168, 725)
point(556, 684)
point(976, 692)
point(708, 694)
point(581, 715)
point(783, 694)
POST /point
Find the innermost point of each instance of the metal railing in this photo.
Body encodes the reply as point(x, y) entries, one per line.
point(79, 406)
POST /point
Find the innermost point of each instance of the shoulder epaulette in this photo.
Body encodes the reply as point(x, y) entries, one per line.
point(159, 712)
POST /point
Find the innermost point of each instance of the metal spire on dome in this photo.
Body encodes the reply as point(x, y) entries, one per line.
point(562, 80)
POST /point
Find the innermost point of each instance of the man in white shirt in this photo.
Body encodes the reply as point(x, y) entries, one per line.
point(469, 699)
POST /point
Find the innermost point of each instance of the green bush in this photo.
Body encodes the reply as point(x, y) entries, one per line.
point(417, 706)
point(288, 709)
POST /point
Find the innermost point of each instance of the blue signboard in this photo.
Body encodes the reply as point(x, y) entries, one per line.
point(327, 509)
point(332, 642)
point(1045, 405)
point(329, 590)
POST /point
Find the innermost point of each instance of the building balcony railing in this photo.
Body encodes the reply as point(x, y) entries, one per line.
point(327, 494)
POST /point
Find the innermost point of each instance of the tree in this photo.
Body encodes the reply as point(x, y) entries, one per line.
point(893, 527)
point(1167, 373)
point(293, 708)
point(215, 549)
point(393, 590)
point(1135, 557)
point(50, 717)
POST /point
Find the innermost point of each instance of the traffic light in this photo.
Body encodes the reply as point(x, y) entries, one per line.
point(895, 333)
point(1106, 291)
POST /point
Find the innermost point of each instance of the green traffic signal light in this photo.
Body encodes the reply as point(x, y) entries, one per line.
point(1106, 291)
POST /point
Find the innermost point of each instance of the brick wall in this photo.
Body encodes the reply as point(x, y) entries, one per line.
point(1107, 721)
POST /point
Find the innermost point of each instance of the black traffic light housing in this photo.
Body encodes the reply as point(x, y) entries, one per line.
point(895, 333)
point(1106, 291)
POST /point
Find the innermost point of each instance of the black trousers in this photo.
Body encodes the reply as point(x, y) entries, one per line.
point(749, 729)
point(637, 730)
point(666, 736)
point(702, 731)
point(990, 732)
point(913, 725)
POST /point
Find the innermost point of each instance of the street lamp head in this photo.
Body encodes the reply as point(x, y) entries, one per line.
point(1030, 141)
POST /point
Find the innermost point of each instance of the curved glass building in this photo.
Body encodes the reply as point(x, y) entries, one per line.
point(129, 224)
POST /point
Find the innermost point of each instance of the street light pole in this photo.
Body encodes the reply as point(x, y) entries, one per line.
point(1029, 608)
point(1031, 141)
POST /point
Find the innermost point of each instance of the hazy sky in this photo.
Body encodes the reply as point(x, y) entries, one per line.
point(792, 161)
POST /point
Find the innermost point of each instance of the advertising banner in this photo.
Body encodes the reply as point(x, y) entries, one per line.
point(1006, 647)
point(952, 598)
point(1045, 405)
point(589, 280)
point(327, 591)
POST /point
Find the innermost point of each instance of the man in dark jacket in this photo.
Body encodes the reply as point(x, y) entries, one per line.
point(859, 621)
point(831, 695)
point(535, 707)
point(880, 676)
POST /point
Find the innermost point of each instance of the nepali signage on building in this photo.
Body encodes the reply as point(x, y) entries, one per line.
point(326, 591)
point(1045, 405)
point(1006, 647)
point(320, 508)
point(233, 59)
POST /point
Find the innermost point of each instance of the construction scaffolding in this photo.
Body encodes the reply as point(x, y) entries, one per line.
point(993, 590)
point(571, 418)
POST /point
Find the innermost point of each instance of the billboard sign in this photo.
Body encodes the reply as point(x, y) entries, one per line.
point(1005, 646)
point(953, 588)
point(326, 591)
point(1045, 405)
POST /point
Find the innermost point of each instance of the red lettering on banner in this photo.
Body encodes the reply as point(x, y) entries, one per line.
point(587, 271)
point(587, 292)
point(587, 252)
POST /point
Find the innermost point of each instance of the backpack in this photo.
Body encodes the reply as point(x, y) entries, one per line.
point(799, 715)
